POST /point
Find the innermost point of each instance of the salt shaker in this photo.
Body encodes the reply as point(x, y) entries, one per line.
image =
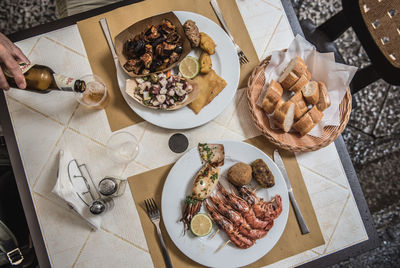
point(112, 186)
point(101, 205)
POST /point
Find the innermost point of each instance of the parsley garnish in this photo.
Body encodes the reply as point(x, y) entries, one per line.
point(214, 177)
point(190, 201)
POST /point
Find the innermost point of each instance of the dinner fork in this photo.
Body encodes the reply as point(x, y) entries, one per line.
point(242, 57)
point(154, 215)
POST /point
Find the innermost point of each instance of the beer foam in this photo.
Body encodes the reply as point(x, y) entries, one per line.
point(94, 93)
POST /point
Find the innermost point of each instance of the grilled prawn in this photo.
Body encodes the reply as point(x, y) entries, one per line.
point(245, 209)
point(234, 236)
point(263, 210)
point(237, 220)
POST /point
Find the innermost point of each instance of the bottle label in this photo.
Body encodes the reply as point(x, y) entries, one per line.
point(64, 82)
point(22, 65)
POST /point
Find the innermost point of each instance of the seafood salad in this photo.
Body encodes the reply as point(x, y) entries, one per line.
point(162, 92)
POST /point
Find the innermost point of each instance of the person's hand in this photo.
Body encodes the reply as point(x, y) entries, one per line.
point(10, 55)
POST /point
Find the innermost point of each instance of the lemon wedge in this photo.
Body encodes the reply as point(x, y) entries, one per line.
point(189, 67)
point(201, 224)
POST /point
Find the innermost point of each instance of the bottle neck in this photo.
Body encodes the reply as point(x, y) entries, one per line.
point(65, 83)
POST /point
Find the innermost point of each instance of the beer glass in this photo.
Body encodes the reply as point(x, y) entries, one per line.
point(96, 95)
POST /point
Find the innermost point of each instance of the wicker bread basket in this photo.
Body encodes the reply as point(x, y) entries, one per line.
point(291, 141)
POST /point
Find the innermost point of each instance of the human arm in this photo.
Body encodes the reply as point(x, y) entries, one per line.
point(10, 55)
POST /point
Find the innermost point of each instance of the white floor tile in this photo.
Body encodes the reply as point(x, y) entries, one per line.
point(156, 138)
point(133, 169)
point(27, 44)
point(55, 104)
point(225, 117)
point(241, 121)
point(328, 201)
point(36, 135)
point(256, 15)
point(70, 37)
point(92, 123)
point(314, 182)
point(350, 229)
point(63, 231)
point(282, 37)
point(325, 162)
point(294, 260)
point(60, 59)
point(105, 250)
point(124, 220)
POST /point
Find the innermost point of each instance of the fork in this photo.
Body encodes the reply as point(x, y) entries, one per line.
point(242, 57)
point(154, 215)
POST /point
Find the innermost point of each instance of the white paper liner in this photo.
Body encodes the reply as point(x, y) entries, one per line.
point(322, 67)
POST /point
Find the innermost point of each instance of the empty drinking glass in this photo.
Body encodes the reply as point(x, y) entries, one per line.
point(122, 147)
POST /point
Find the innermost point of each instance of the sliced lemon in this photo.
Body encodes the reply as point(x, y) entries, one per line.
point(201, 224)
point(189, 67)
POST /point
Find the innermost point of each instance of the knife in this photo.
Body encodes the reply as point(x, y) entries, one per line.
point(278, 161)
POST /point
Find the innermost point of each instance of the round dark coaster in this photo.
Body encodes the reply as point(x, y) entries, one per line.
point(178, 143)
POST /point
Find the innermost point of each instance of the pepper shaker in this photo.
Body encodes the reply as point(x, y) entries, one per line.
point(111, 186)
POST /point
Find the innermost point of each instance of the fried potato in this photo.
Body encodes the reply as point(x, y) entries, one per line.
point(205, 63)
point(210, 85)
point(207, 44)
point(240, 174)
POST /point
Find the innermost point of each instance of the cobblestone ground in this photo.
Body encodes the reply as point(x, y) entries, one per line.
point(372, 135)
point(373, 140)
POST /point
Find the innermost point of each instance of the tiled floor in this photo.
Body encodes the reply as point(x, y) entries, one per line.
point(372, 137)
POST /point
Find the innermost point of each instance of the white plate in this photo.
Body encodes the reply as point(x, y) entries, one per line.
point(202, 249)
point(225, 63)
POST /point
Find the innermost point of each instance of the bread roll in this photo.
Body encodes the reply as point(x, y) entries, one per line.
point(308, 121)
point(300, 106)
point(273, 95)
point(284, 116)
point(302, 82)
point(324, 99)
point(311, 92)
point(308, 75)
point(279, 104)
point(295, 68)
point(288, 80)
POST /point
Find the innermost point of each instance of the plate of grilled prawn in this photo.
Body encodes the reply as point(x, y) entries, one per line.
point(247, 220)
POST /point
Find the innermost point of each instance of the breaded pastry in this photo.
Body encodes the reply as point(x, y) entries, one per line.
point(205, 63)
point(210, 85)
point(262, 174)
point(207, 44)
